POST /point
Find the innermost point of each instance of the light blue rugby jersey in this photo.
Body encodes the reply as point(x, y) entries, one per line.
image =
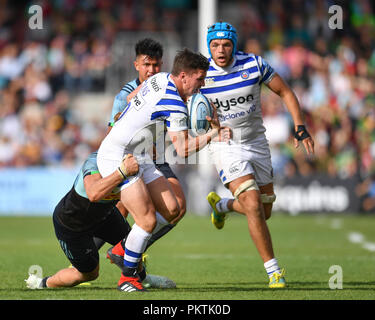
point(235, 91)
point(120, 102)
point(90, 167)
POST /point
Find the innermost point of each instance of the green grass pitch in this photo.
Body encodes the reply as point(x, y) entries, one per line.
point(208, 264)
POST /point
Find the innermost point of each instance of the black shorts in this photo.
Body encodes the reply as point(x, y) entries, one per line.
point(166, 170)
point(79, 247)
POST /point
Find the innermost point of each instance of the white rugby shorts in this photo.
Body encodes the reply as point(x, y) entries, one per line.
point(147, 171)
point(233, 161)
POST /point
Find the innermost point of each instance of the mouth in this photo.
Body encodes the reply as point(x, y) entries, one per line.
point(221, 59)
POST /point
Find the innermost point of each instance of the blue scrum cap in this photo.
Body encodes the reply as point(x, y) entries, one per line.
point(222, 30)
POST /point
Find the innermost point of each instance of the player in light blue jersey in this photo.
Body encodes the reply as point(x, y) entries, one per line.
point(233, 84)
point(88, 210)
point(148, 62)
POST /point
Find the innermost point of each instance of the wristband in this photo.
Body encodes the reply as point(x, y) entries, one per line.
point(121, 169)
point(301, 133)
point(121, 173)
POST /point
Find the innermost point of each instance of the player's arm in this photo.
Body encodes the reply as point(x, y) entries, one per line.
point(119, 104)
point(186, 145)
point(132, 94)
point(98, 187)
point(281, 88)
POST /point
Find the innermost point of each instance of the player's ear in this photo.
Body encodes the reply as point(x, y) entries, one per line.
point(183, 76)
point(136, 65)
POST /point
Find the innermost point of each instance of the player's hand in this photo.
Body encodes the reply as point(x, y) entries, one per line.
point(214, 120)
point(302, 135)
point(129, 166)
point(225, 134)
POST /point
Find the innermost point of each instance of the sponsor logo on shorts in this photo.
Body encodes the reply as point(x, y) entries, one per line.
point(235, 168)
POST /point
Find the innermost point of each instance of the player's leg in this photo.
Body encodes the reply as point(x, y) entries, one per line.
point(267, 198)
point(180, 196)
point(249, 203)
point(82, 253)
point(249, 199)
point(70, 277)
point(162, 195)
point(166, 170)
point(224, 205)
point(137, 199)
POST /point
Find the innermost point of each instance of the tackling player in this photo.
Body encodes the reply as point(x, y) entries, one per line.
point(233, 84)
point(88, 210)
point(160, 101)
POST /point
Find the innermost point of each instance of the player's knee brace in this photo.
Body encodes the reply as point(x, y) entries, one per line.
point(267, 198)
point(245, 186)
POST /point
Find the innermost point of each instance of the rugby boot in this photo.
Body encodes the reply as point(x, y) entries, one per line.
point(217, 218)
point(130, 284)
point(277, 280)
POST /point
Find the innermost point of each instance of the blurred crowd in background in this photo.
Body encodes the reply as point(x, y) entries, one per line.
point(332, 71)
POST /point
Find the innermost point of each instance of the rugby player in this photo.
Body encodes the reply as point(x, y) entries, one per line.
point(148, 62)
point(159, 101)
point(233, 84)
point(88, 210)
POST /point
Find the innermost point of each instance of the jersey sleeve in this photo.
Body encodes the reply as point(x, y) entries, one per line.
point(120, 102)
point(90, 166)
point(266, 71)
point(171, 109)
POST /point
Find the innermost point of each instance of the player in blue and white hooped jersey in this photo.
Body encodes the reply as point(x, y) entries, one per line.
point(233, 84)
point(148, 62)
point(159, 101)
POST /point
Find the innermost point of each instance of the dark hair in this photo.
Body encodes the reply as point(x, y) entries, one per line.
point(149, 48)
point(188, 61)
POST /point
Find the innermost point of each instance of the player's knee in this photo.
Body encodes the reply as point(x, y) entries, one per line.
point(267, 201)
point(148, 222)
point(267, 210)
point(174, 211)
point(89, 276)
point(251, 202)
point(182, 211)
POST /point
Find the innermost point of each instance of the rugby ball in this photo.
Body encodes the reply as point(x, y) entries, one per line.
point(198, 108)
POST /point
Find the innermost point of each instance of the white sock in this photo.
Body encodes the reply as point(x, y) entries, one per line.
point(160, 222)
point(135, 245)
point(222, 205)
point(271, 266)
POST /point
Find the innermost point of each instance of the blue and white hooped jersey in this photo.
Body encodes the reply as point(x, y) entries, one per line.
point(235, 91)
point(157, 104)
point(120, 101)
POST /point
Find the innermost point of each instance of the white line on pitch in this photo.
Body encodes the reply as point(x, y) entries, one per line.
point(359, 238)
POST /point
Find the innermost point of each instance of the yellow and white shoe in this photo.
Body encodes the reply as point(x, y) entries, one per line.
point(217, 218)
point(277, 280)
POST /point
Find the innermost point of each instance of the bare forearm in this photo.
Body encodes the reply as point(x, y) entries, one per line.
point(293, 107)
point(198, 143)
point(103, 187)
point(189, 145)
